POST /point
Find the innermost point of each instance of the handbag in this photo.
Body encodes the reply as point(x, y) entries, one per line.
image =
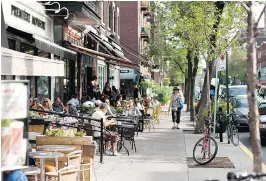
point(181, 104)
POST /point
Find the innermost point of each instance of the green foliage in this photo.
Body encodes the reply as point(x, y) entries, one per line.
point(164, 93)
point(6, 123)
point(64, 133)
point(146, 84)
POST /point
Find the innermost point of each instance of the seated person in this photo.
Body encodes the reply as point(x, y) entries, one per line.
point(132, 110)
point(100, 114)
point(118, 102)
point(154, 101)
point(58, 106)
point(74, 100)
point(88, 102)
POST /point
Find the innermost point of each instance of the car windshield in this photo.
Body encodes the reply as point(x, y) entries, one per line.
point(263, 105)
point(237, 91)
point(241, 103)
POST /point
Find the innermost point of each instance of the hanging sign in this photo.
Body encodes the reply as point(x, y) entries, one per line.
point(221, 63)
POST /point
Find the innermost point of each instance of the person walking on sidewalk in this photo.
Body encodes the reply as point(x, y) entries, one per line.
point(176, 106)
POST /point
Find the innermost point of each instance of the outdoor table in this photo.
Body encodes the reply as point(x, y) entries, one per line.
point(56, 148)
point(42, 156)
point(120, 126)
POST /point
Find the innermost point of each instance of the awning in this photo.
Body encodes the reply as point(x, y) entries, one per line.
point(53, 48)
point(109, 58)
point(110, 47)
point(17, 63)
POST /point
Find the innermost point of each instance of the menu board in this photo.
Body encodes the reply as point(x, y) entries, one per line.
point(14, 117)
point(14, 102)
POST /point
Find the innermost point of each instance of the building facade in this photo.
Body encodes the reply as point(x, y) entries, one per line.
point(75, 39)
point(134, 37)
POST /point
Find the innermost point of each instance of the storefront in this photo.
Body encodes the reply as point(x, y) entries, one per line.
point(32, 54)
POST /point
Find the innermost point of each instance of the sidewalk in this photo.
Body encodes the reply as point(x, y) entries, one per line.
point(161, 155)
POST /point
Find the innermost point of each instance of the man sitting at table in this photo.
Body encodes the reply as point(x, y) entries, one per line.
point(100, 114)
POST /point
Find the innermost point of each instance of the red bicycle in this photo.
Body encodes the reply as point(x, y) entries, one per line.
point(206, 148)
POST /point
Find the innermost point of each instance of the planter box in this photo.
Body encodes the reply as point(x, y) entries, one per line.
point(86, 144)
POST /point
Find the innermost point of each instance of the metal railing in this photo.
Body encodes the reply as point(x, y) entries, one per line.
point(81, 126)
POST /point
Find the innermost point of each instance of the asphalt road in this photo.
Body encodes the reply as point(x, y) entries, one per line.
point(244, 138)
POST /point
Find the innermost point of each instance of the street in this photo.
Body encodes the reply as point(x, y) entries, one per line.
point(244, 138)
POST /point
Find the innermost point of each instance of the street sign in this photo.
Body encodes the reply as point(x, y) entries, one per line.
point(221, 63)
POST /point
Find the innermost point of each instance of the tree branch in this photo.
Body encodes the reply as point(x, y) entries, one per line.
point(245, 6)
point(256, 24)
point(180, 67)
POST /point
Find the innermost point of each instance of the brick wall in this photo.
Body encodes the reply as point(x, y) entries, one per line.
point(129, 23)
point(261, 55)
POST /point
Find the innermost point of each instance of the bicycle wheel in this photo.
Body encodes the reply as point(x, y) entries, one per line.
point(234, 135)
point(205, 154)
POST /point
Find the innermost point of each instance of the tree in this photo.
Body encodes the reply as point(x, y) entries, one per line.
point(251, 82)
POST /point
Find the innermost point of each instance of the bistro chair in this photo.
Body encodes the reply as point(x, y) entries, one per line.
point(32, 171)
point(73, 159)
point(69, 173)
point(149, 118)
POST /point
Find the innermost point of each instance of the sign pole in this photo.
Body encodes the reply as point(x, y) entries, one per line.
point(215, 97)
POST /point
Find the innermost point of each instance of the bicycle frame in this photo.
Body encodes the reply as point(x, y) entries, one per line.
point(206, 141)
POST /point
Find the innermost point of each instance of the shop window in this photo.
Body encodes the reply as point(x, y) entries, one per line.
point(26, 48)
point(43, 87)
point(12, 44)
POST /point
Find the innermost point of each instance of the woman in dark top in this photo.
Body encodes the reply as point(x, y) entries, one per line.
point(92, 87)
point(107, 90)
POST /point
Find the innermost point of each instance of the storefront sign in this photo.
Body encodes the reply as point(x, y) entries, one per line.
point(26, 17)
point(73, 35)
point(20, 13)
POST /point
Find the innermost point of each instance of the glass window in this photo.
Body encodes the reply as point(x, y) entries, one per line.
point(12, 44)
point(237, 91)
point(111, 16)
point(26, 48)
point(42, 87)
point(241, 103)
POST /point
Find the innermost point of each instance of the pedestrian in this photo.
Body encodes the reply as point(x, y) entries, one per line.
point(136, 94)
point(92, 87)
point(107, 90)
point(176, 106)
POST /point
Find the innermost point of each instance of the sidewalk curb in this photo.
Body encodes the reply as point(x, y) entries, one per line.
point(250, 155)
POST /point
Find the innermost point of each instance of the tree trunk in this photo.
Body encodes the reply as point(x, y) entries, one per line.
point(186, 90)
point(189, 75)
point(252, 93)
point(205, 91)
point(192, 91)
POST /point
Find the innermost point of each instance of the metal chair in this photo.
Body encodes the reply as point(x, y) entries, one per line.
point(149, 120)
point(32, 171)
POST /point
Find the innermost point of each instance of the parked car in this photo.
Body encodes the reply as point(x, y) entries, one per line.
point(262, 112)
point(237, 90)
point(240, 110)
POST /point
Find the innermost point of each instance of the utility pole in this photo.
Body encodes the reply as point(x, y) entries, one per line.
point(227, 87)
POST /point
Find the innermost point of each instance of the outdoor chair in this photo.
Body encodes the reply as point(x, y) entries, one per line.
point(128, 133)
point(32, 171)
point(149, 118)
point(73, 159)
point(37, 127)
point(69, 173)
